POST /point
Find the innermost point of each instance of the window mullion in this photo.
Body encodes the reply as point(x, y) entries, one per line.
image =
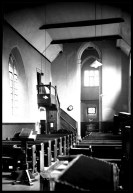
point(91, 78)
point(13, 84)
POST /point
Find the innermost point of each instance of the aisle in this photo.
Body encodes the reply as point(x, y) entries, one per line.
point(7, 184)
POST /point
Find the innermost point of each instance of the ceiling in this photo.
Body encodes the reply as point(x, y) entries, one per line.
point(75, 22)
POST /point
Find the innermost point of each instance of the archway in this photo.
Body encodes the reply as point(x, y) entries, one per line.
point(80, 52)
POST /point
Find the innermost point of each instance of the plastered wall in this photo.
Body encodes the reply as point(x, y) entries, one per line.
point(31, 61)
point(115, 75)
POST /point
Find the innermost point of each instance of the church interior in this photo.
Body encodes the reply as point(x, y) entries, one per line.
point(66, 95)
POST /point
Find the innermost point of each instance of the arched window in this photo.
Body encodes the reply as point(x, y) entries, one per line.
point(13, 77)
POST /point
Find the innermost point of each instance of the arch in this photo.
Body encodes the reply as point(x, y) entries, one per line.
point(42, 112)
point(22, 84)
point(86, 59)
point(79, 65)
point(86, 45)
point(15, 51)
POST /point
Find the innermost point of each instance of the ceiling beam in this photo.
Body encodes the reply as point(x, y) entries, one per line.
point(82, 23)
point(99, 38)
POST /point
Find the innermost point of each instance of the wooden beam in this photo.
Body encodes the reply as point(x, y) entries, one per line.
point(82, 23)
point(74, 40)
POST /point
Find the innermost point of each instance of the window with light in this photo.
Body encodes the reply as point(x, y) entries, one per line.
point(91, 78)
point(13, 77)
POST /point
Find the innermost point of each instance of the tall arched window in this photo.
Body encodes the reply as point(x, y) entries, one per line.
point(13, 77)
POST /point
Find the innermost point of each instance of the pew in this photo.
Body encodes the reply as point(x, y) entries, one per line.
point(65, 141)
point(122, 124)
point(25, 155)
point(39, 154)
point(44, 147)
point(43, 151)
point(13, 150)
point(37, 148)
point(80, 150)
point(105, 146)
point(9, 163)
point(54, 147)
point(59, 145)
point(23, 161)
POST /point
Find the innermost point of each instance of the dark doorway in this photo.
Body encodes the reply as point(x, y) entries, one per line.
point(38, 78)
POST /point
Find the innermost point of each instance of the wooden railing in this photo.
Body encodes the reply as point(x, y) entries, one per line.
point(67, 122)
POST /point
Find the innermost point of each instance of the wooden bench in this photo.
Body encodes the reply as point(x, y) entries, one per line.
point(64, 141)
point(14, 150)
point(44, 148)
point(80, 150)
point(105, 147)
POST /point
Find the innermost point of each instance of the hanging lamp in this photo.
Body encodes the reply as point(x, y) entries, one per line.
point(96, 64)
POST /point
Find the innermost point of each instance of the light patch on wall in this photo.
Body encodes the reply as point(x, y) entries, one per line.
point(108, 114)
point(111, 85)
point(111, 90)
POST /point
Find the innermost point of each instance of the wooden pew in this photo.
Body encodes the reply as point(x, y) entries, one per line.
point(38, 154)
point(43, 148)
point(80, 150)
point(107, 152)
point(8, 153)
point(43, 152)
point(102, 142)
point(13, 149)
point(102, 136)
point(22, 154)
point(64, 141)
point(37, 148)
point(55, 145)
point(61, 146)
point(105, 146)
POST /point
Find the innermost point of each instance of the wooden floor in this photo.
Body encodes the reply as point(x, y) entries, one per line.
point(8, 186)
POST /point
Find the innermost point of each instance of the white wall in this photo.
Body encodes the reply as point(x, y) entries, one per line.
point(114, 88)
point(28, 108)
point(64, 74)
point(115, 72)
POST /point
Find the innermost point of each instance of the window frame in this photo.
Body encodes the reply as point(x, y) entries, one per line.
point(89, 78)
point(13, 83)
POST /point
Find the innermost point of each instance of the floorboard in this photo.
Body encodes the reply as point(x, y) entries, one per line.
point(8, 186)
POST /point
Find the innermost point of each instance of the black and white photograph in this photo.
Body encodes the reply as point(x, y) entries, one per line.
point(66, 95)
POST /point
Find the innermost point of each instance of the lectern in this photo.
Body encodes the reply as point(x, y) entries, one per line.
point(88, 174)
point(24, 175)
